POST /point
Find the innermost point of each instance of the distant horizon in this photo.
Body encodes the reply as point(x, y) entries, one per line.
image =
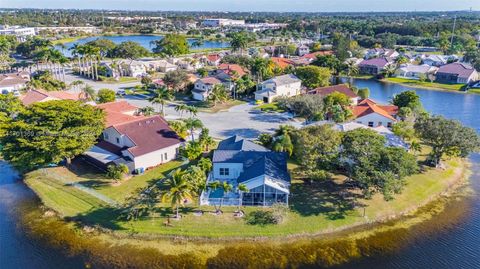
point(282, 6)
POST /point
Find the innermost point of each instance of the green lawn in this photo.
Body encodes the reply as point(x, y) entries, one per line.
point(425, 84)
point(120, 80)
point(314, 208)
point(272, 107)
point(208, 107)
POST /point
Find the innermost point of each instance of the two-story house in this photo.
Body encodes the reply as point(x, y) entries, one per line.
point(136, 141)
point(240, 161)
point(13, 82)
point(203, 87)
point(303, 50)
point(460, 73)
point(287, 85)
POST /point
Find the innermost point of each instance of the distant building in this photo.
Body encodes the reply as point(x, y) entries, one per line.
point(34, 96)
point(203, 87)
point(22, 33)
point(303, 50)
point(221, 22)
point(456, 73)
point(381, 52)
point(287, 85)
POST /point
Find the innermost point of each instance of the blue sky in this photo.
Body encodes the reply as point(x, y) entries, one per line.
point(252, 5)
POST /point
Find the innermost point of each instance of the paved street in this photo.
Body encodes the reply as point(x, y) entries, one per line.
point(239, 120)
point(97, 85)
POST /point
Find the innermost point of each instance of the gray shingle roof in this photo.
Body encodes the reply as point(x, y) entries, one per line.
point(283, 80)
point(272, 164)
point(239, 143)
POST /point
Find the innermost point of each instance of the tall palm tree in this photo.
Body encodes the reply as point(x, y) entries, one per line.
point(161, 96)
point(88, 93)
point(192, 124)
point(192, 110)
point(242, 188)
point(147, 111)
point(352, 70)
point(206, 140)
point(225, 186)
point(218, 94)
point(239, 42)
point(181, 108)
point(75, 84)
point(179, 190)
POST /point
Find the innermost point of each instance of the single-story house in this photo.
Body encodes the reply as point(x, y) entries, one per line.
point(412, 71)
point(312, 56)
point(282, 63)
point(119, 112)
point(461, 73)
point(13, 82)
point(434, 60)
point(371, 114)
point(125, 68)
point(203, 87)
point(286, 85)
point(240, 161)
point(374, 66)
point(381, 53)
point(34, 96)
point(342, 88)
point(232, 70)
point(140, 144)
point(214, 59)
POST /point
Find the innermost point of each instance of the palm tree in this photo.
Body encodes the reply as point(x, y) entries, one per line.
point(88, 93)
point(192, 124)
point(75, 84)
point(179, 190)
point(147, 111)
point(192, 110)
point(239, 41)
point(225, 186)
point(181, 108)
point(218, 94)
point(161, 96)
point(206, 140)
point(242, 188)
point(415, 147)
point(352, 70)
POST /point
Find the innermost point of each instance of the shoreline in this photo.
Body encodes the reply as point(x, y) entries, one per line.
point(458, 179)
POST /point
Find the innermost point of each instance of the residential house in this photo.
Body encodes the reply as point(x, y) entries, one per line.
point(286, 85)
point(371, 114)
point(282, 63)
point(203, 87)
point(213, 59)
point(13, 82)
point(374, 66)
point(412, 71)
point(160, 66)
point(312, 56)
point(34, 96)
point(302, 50)
point(434, 60)
point(138, 142)
point(240, 161)
point(342, 88)
point(125, 68)
point(461, 73)
point(381, 53)
point(119, 112)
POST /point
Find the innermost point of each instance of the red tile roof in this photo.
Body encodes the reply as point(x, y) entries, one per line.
point(282, 62)
point(149, 135)
point(231, 69)
point(214, 57)
point(313, 55)
point(33, 96)
point(368, 106)
point(342, 88)
point(119, 112)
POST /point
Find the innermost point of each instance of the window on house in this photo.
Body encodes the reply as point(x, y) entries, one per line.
point(370, 124)
point(389, 125)
point(380, 123)
point(359, 122)
point(165, 156)
point(224, 171)
point(105, 135)
point(118, 140)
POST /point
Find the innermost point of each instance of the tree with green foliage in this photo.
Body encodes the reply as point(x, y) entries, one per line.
point(171, 45)
point(331, 62)
point(219, 94)
point(240, 41)
point(191, 151)
point(176, 79)
point(364, 93)
point(316, 150)
point(106, 96)
point(129, 50)
point(313, 76)
point(44, 80)
point(147, 111)
point(337, 106)
point(446, 137)
point(179, 127)
point(341, 46)
point(104, 46)
point(161, 96)
point(308, 106)
point(178, 190)
point(49, 132)
point(206, 140)
point(407, 99)
point(117, 172)
point(192, 124)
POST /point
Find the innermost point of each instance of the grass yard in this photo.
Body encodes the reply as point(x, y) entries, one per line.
point(272, 107)
point(314, 207)
point(120, 80)
point(209, 108)
point(425, 84)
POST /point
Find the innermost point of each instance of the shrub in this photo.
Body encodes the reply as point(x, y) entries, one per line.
point(275, 215)
point(116, 171)
point(106, 96)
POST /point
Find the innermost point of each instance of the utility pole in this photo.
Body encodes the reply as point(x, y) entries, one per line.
point(453, 30)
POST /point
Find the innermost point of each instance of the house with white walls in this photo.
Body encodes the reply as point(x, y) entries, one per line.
point(263, 172)
point(286, 85)
point(371, 114)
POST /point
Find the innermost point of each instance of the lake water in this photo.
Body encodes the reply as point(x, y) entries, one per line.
point(450, 240)
point(144, 40)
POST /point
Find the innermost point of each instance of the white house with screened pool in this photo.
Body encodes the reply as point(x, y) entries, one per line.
point(240, 161)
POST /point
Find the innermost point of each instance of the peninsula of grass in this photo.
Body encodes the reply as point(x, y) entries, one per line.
point(425, 84)
point(271, 107)
point(315, 208)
